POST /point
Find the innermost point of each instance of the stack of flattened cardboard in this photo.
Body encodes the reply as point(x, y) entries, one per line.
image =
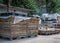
point(58, 18)
point(32, 26)
point(23, 28)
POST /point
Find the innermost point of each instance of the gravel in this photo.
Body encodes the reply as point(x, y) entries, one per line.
point(39, 39)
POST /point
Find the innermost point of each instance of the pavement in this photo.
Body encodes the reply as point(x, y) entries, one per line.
point(39, 39)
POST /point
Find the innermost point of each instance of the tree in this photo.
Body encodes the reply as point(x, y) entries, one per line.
point(29, 4)
point(54, 7)
point(51, 6)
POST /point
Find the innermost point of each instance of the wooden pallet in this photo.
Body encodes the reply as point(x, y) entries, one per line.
point(48, 32)
point(9, 38)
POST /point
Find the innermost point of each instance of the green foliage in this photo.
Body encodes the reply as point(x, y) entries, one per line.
point(21, 6)
point(1, 1)
point(29, 4)
point(30, 14)
point(58, 3)
point(51, 5)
